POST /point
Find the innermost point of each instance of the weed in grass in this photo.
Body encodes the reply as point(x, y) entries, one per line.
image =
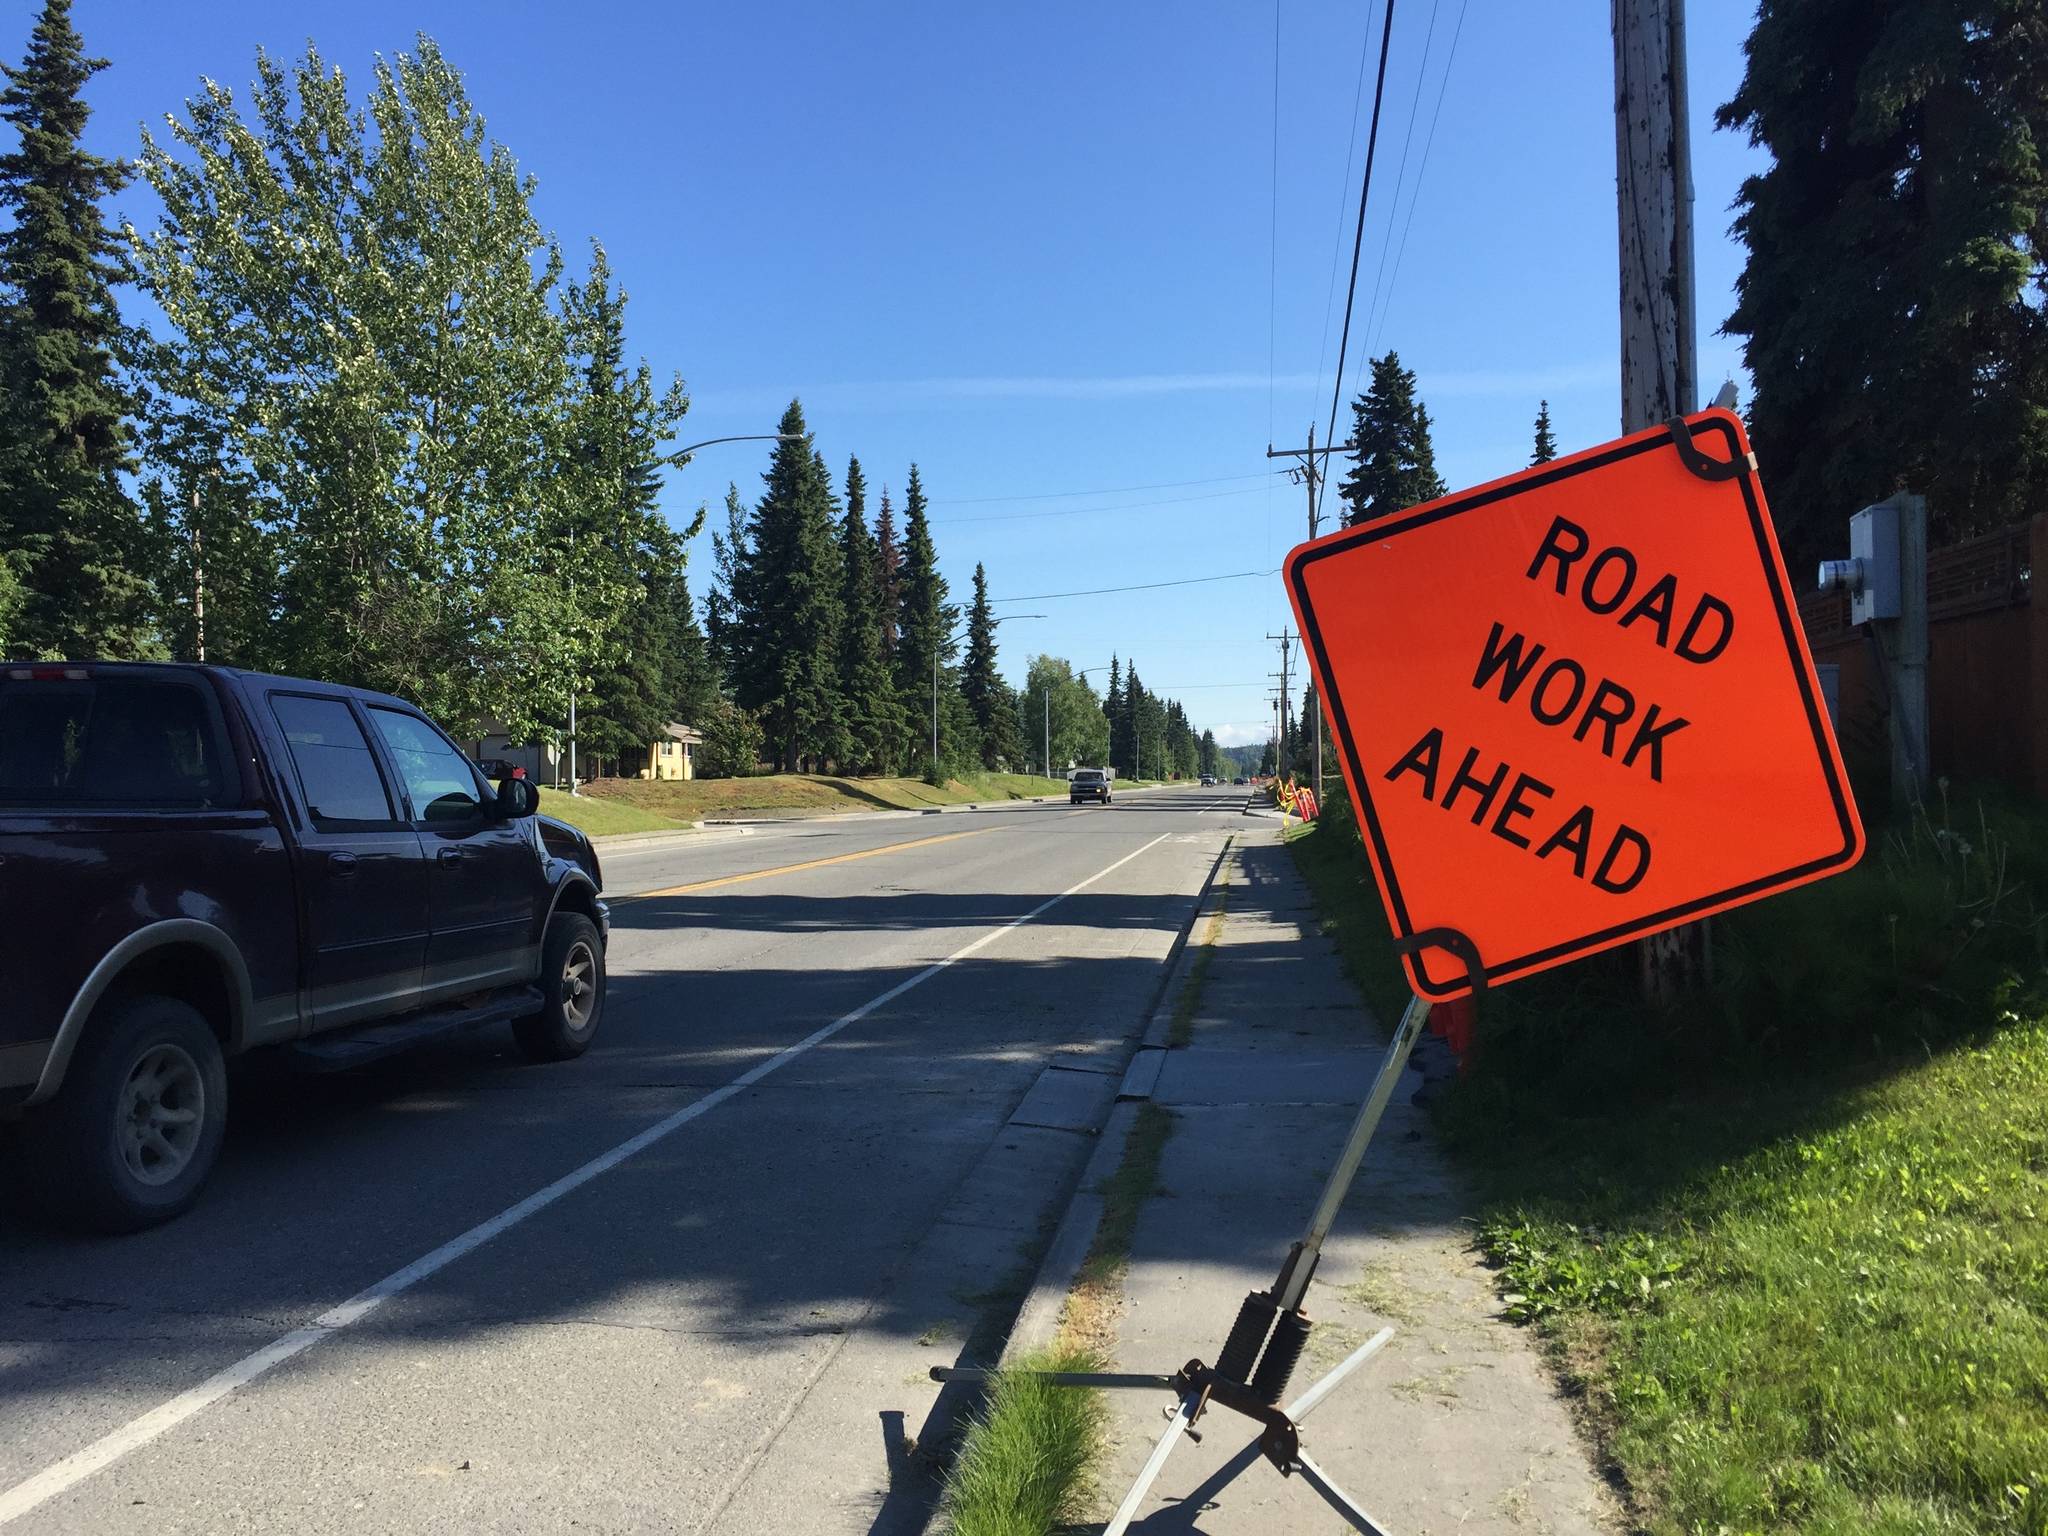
point(1380, 1289)
point(1023, 1465)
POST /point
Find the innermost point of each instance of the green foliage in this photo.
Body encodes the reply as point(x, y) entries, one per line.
point(786, 598)
point(872, 726)
point(1890, 308)
point(76, 548)
point(645, 669)
point(1054, 697)
point(888, 577)
point(446, 499)
point(733, 742)
point(1546, 440)
point(988, 697)
point(1396, 460)
point(924, 626)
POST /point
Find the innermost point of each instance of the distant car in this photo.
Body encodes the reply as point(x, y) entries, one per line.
point(1238, 780)
point(1088, 784)
point(497, 768)
point(1208, 780)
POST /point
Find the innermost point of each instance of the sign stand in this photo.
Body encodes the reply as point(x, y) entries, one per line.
point(1266, 1341)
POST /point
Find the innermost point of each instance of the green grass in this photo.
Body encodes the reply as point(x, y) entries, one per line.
point(1815, 1306)
point(603, 816)
point(1787, 1243)
point(812, 794)
point(1023, 1464)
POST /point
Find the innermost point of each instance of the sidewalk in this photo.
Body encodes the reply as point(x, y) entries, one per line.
point(1455, 1426)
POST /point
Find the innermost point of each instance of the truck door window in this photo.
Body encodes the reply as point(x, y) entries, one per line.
point(127, 741)
point(338, 775)
point(438, 778)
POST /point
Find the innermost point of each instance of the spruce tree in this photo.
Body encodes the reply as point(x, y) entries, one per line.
point(1891, 305)
point(888, 565)
point(728, 560)
point(924, 623)
point(1113, 711)
point(786, 604)
point(1396, 465)
point(1546, 444)
point(71, 537)
point(988, 696)
point(872, 720)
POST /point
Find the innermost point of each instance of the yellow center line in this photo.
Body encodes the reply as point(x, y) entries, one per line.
point(790, 869)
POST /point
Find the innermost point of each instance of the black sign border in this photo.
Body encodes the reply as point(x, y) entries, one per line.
point(1406, 522)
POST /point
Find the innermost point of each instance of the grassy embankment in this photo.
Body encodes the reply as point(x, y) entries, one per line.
point(1788, 1243)
point(679, 802)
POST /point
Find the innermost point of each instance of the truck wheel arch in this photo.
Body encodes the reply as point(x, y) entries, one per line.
point(180, 956)
point(575, 893)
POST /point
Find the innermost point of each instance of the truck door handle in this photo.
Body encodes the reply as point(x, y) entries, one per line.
point(342, 863)
point(449, 855)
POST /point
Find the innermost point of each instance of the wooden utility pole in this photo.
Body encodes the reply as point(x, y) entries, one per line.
point(1315, 464)
point(1659, 366)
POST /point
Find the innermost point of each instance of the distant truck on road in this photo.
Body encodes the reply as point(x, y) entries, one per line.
point(1090, 784)
point(197, 862)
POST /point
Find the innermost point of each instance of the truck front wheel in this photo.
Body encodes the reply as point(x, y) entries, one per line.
point(131, 1138)
point(572, 982)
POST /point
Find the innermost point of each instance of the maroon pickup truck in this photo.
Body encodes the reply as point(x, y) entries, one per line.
point(197, 862)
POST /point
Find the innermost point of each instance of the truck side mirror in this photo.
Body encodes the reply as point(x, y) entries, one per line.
point(517, 798)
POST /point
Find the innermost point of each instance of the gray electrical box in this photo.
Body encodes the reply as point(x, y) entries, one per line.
point(1874, 549)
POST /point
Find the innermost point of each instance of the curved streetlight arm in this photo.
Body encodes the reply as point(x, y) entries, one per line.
point(745, 437)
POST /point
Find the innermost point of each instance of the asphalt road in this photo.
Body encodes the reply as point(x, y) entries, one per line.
point(455, 1292)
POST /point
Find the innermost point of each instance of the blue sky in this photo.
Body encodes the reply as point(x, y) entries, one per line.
point(1032, 249)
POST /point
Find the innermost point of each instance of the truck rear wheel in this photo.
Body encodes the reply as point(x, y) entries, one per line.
point(572, 981)
point(131, 1138)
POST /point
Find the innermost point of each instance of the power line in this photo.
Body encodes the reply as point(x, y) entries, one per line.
point(1350, 149)
point(1379, 93)
point(1401, 173)
point(1107, 490)
point(1127, 506)
point(1414, 197)
point(1145, 586)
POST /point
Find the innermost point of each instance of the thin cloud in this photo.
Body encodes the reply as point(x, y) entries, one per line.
point(1241, 735)
point(892, 394)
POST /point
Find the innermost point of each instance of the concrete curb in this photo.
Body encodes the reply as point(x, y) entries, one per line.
point(1039, 1317)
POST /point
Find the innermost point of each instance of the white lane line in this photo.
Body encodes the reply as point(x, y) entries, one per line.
point(79, 1465)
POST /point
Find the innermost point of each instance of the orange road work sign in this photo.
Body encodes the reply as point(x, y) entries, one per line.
point(1575, 706)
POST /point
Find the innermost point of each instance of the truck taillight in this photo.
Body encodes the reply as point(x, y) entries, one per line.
point(47, 674)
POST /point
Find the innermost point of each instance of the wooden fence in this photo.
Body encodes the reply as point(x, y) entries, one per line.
point(1987, 664)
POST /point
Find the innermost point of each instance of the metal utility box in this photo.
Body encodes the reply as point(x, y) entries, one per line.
point(1874, 547)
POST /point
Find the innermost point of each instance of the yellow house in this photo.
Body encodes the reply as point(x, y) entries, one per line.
point(671, 755)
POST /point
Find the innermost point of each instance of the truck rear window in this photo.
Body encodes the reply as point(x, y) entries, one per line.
point(113, 741)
